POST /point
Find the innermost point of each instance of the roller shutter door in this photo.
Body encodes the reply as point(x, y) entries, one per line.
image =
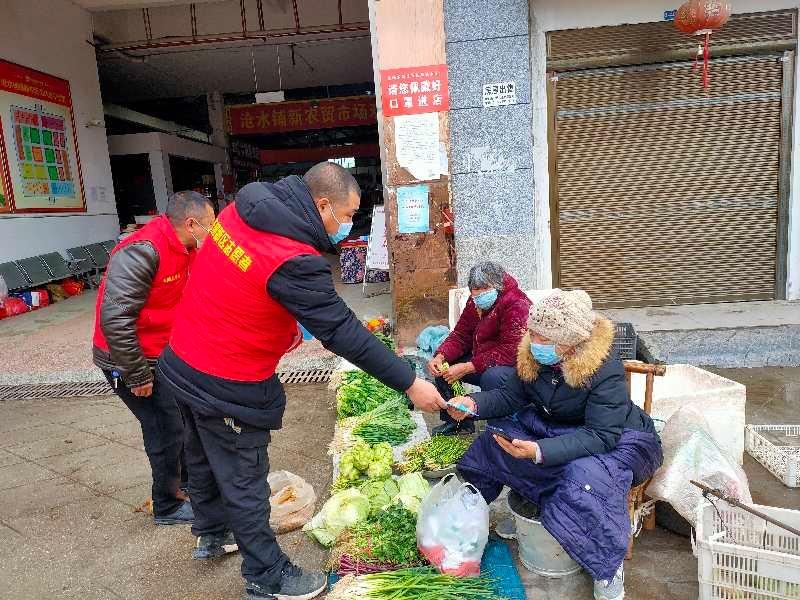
point(665, 193)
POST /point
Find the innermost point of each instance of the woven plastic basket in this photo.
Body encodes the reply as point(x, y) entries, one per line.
point(743, 557)
point(777, 447)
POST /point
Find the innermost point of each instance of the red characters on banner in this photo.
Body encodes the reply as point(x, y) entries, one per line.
point(414, 90)
point(702, 17)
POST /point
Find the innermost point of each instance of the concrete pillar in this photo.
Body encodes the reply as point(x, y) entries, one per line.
point(411, 34)
point(161, 174)
point(219, 135)
point(492, 146)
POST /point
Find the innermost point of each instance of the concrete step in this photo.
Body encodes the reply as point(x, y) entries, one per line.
point(729, 347)
point(741, 334)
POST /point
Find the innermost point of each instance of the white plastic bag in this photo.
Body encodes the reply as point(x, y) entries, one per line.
point(453, 527)
point(690, 452)
point(291, 501)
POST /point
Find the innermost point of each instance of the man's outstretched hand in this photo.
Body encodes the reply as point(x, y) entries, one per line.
point(425, 396)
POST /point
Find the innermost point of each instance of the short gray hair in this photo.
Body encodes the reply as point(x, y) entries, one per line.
point(486, 274)
point(185, 205)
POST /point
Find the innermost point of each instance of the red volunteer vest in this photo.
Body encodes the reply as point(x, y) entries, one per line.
point(227, 324)
point(156, 317)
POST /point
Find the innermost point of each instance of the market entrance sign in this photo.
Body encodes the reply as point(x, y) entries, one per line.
point(329, 113)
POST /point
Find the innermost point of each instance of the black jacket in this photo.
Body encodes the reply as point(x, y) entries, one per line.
point(304, 286)
point(129, 278)
point(589, 391)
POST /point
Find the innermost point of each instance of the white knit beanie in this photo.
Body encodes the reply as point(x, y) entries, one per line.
point(565, 317)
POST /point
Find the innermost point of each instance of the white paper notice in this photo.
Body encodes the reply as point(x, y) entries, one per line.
point(500, 94)
point(417, 145)
point(377, 252)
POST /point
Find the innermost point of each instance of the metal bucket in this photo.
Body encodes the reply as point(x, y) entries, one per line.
point(538, 550)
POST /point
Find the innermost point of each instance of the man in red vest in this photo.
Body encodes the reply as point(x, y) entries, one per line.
point(260, 273)
point(135, 308)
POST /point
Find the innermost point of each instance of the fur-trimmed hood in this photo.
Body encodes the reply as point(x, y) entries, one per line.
point(579, 368)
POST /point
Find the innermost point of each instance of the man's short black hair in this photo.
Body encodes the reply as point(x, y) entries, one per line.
point(187, 204)
point(331, 181)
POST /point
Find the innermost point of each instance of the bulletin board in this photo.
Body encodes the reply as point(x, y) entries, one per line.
point(40, 167)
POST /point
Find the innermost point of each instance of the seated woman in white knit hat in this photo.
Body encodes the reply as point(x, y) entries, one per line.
point(576, 443)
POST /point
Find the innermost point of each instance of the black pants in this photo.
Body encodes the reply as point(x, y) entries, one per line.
point(228, 466)
point(491, 379)
point(162, 431)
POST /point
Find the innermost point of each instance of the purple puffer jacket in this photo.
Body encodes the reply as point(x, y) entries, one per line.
point(491, 337)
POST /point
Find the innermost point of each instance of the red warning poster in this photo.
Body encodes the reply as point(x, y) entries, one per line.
point(414, 90)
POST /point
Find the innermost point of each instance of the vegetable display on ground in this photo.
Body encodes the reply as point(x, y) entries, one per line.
point(390, 422)
point(388, 536)
point(421, 583)
point(437, 453)
point(361, 393)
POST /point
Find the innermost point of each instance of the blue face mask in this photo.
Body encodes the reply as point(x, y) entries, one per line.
point(545, 354)
point(486, 300)
point(344, 230)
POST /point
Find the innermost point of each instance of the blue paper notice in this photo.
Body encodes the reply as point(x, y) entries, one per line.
point(413, 214)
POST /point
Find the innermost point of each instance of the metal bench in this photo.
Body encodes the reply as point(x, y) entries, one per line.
point(99, 255)
point(35, 270)
point(82, 264)
point(14, 277)
point(58, 267)
point(109, 245)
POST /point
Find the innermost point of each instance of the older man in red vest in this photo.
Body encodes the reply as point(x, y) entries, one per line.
point(135, 310)
point(260, 273)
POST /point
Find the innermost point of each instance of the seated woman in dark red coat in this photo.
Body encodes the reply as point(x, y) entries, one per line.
point(482, 349)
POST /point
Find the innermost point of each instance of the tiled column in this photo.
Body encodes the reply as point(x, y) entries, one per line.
point(491, 148)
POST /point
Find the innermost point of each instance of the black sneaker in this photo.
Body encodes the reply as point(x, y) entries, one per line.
point(212, 546)
point(296, 584)
point(454, 428)
point(184, 515)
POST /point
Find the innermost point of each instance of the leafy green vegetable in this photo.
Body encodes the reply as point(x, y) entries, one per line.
point(362, 461)
point(388, 536)
point(360, 393)
point(457, 386)
point(439, 452)
point(422, 583)
point(381, 492)
point(390, 422)
point(387, 341)
point(341, 511)
point(414, 484)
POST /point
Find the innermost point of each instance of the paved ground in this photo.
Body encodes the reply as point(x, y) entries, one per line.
point(73, 471)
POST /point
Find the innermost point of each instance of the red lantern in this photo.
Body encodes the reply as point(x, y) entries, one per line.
point(702, 17)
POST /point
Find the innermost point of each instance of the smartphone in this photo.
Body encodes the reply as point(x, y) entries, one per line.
point(500, 433)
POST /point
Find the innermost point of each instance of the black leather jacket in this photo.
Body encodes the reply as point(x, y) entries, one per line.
point(129, 279)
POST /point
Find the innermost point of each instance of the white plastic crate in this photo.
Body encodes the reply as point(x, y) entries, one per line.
point(742, 557)
point(721, 400)
point(783, 461)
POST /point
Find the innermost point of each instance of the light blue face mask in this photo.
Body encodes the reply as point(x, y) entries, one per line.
point(486, 300)
point(545, 354)
point(344, 230)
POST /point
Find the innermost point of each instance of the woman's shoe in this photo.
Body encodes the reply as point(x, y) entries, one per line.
point(611, 590)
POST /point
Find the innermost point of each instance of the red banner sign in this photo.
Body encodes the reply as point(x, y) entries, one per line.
point(33, 84)
point(415, 90)
point(292, 155)
point(299, 116)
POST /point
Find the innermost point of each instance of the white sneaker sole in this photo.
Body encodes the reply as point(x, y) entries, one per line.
point(604, 597)
point(308, 596)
